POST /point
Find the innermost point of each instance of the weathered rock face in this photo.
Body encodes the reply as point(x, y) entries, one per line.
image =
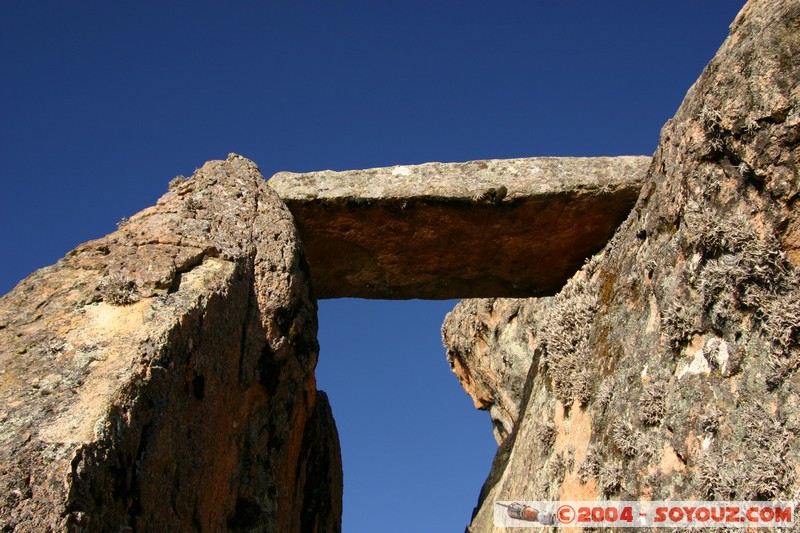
point(517, 227)
point(161, 378)
point(667, 367)
point(489, 344)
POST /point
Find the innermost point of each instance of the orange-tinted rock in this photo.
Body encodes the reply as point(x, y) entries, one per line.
point(490, 344)
point(161, 378)
point(516, 227)
point(667, 368)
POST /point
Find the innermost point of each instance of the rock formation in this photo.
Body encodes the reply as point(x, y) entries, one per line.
point(489, 346)
point(667, 367)
point(519, 227)
point(161, 378)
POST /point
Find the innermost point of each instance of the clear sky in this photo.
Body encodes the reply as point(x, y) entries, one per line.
point(104, 102)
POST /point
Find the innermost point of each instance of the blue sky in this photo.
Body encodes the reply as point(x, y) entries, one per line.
point(104, 102)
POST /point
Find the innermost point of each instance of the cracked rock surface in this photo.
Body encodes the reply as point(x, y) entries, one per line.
point(161, 378)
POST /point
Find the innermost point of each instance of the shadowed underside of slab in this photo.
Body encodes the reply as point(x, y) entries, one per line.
point(512, 228)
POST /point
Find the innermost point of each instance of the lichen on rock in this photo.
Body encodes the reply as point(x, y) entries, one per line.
point(161, 378)
point(670, 361)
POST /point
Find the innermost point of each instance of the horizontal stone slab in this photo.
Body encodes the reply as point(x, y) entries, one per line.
point(514, 227)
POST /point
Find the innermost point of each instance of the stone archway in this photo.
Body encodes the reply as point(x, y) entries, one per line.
point(161, 378)
point(172, 361)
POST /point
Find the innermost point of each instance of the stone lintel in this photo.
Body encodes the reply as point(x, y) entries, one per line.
point(511, 228)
